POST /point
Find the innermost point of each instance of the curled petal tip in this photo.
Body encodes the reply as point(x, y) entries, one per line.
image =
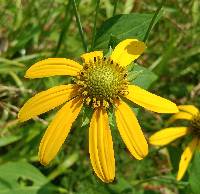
point(20, 118)
point(176, 110)
point(42, 162)
point(109, 180)
point(26, 75)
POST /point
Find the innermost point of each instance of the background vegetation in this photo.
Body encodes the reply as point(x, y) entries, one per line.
point(32, 30)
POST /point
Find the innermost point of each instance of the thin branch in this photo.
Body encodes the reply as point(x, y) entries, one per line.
point(153, 20)
point(95, 23)
point(115, 7)
point(78, 21)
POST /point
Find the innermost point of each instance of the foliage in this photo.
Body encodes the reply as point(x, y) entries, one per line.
point(33, 30)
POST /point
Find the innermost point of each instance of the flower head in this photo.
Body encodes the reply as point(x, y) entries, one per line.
point(167, 135)
point(100, 83)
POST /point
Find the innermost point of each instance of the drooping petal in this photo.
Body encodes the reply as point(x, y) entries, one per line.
point(186, 158)
point(90, 56)
point(167, 135)
point(127, 51)
point(130, 131)
point(150, 101)
point(179, 116)
point(101, 146)
point(53, 66)
point(58, 130)
point(189, 108)
point(46, 100)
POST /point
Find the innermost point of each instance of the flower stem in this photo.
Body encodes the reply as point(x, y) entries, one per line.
point(95, 23)
point(153, 20)
point(78, 21)
point(115, 7)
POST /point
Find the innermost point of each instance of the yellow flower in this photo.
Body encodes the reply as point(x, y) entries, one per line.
point(100, 83)
point(167, 135)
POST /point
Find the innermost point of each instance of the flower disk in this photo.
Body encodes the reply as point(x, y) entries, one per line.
point(195, 124)
point(102, 81)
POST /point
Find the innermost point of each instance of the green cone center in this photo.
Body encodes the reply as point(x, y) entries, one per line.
point(102, 81)
point(195, 124)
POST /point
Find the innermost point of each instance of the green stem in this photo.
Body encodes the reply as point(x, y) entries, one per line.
point(95, 23)
point(78, 21)
point(161, 179)
point(65, 27)
point(153, 20)
point(115, 7)
point(11, 62)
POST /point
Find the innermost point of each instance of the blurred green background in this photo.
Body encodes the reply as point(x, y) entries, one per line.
point(33, 30)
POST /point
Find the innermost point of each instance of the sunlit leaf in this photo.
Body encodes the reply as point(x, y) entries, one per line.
point(121, 27)
point(23, 178)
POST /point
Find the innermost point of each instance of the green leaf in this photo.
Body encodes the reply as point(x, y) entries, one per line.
point(23, 178)
point(9, 139)
point(121, 27)
point(143, 76)
point(195, 12)
point(175, 155)
point(151, 192)
point(161, 65)
point(23, 37)
point(194, 174)
point(121, 186)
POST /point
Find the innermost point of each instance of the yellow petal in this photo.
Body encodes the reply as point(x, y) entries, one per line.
point(180, 115)
point(130, 131)
point(101, 146)
point(167, 135)
point(150, 101)
point(58, 130)
point(53, 66)
point(90, 56)
point(127, 51)
point(186, 158)
point(189, 108)
point(46, 100)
